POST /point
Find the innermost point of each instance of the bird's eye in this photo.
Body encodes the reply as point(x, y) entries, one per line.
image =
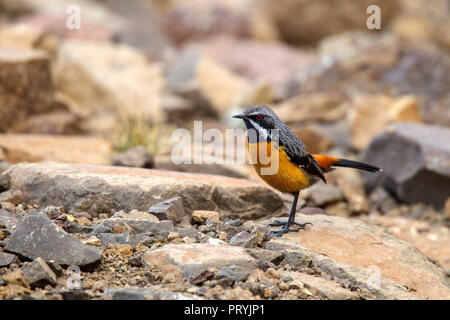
point(259, 117)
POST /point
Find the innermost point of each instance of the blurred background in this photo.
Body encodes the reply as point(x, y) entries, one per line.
point(113, 90)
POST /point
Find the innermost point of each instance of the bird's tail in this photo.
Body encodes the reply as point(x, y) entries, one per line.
point(327, 163)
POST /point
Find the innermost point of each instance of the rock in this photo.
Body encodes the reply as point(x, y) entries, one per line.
point(52, 123)
point(12, 196)
point(135, 215)
point(315, 138)
point(325, 107)
point(36, 236)
point(165, 163)
point(431, 240)
point(8, 219)
point(4, 182)
point(93, 84)
point(294, 21)
point(137, 157)
point(200, 216)
point(183, 22)
point(413, 22)
point(20, 36)
point(371, 114)
point(127, 238)
point(232, 273)
point(269, 62)
point(152, 293)
point(6, 259)
point(447, 209)
point(322, 194)
point(399, 268)
point(71, 149)
point(324, 288)
point(212, 88)
point(93, 241)
point(382, 200)
point(56, 268)
point(421, 172)
point(194, 258)
point(26, 86)
point(352, 188)
point(202, 277)
point(171, 209)
point(244, 239)
point(39, 274)
point(99, 22)
point(266, 255)
point(140, 23)
point(119, 225)
point(103, 189)
point(384, 65)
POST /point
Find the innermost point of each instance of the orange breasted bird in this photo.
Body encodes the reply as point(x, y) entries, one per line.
point(297, 168)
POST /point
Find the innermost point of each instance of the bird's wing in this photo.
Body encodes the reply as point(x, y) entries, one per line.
point(298, 153)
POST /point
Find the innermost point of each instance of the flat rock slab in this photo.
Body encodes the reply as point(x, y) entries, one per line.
point(41, 147)
point(107, 189)
point(352, 246)
point(197, 257)
point(37, 236)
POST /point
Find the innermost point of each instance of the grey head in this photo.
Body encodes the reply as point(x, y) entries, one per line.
point(261, 119)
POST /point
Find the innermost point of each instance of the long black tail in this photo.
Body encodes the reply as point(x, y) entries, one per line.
point(357, 165)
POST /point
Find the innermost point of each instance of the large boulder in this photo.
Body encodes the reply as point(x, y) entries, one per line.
point(100, 79)
point(26, 87)
point(414, 158)
point(361, 255)
point(104, 189)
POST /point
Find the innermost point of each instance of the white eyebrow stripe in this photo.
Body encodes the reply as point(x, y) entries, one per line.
point(262, 131)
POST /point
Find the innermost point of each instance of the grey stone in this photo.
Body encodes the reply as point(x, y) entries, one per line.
point(124, 238)
point(321, 194)
point(6, 259)
point(414, 159)
point(171, 209)
point(137, 226)
point(244, 239)
point(233, 273)
point(4, 182)
point(137, 157)
point(39, 274)
point(8, 219)
point(56, 268)
point(36, 236)
point(266, 255)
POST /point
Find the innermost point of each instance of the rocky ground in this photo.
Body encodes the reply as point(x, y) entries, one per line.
point(92, 207)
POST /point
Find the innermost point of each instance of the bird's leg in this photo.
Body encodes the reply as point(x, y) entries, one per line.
point(291, 220)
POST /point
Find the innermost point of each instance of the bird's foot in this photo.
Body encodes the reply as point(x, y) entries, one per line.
point(286, 225)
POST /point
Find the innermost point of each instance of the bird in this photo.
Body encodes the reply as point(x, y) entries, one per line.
point(297, 168)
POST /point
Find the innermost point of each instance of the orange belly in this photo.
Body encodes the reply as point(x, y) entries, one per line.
point(287, 178)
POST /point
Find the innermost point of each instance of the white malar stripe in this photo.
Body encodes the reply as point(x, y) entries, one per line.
point(263, 132)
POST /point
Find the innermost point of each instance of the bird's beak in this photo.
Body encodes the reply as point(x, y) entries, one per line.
point(239, 116)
